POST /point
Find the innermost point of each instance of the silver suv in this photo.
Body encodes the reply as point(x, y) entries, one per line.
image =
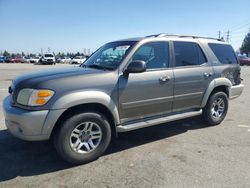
point(125, 85)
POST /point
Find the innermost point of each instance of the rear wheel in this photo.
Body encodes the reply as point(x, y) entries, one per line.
point(216, 108)
point(83, 137)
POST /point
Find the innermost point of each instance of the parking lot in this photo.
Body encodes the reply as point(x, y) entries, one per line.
point(179, 154)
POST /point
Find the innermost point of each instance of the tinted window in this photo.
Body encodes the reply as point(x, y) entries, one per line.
point(48, 55)
point(155, 54)
point(224, 53)
point(188, 53)
point(242, 57)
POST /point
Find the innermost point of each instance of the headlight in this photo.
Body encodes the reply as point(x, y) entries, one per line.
point(34, 97)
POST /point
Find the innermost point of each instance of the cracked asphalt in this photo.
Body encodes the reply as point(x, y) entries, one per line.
point(185, 153)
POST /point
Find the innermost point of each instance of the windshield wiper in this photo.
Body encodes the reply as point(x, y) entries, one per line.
point(96, 66)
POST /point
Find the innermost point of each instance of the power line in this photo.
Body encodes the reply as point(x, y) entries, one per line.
point(241, 27)
point(240, 24)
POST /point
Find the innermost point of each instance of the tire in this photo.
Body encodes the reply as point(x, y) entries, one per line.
point(215, 115)
point(65, 139)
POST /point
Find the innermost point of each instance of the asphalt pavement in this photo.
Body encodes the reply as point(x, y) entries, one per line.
point(185, 153)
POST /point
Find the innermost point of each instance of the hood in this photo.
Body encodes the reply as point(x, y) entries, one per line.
point(66, 80)
point(57, 79)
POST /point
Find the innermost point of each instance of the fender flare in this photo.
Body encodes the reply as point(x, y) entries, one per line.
point(78, 98)
point(213, 84)
point(85, 97)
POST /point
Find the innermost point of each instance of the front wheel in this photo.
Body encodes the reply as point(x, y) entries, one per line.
point(216, 108)
point(83, 137)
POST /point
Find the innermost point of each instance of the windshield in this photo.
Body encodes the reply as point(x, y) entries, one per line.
point(110, 55)
point(48, 55)
point(242, 57)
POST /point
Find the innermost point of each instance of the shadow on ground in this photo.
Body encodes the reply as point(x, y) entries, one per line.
point(21, 158)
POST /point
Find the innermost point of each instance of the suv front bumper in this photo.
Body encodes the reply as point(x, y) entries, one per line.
point(24, 124)
point(235, 91)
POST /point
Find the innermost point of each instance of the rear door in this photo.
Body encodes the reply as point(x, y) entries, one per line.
point(192, 73)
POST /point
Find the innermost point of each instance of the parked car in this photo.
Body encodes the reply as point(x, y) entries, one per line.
point(78, 60)
point(26, 59)
point(7, 59)
point(2, 59)
point(64, 60)
point(11, 60)
point(244, 60)
point(17, 60)
point(34, 60)
point(48, 59)
point(125, 85)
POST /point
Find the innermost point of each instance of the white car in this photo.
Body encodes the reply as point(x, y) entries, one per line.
point(34, 59)
point(48, 59)
point(64, 60)
point(78, 60)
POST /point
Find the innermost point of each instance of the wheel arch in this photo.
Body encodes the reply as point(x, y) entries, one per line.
point(87, 107)
point(219, 84)
point(81, 101)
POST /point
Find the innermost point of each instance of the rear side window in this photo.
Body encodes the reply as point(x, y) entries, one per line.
point(224, 53)
point(188, 54)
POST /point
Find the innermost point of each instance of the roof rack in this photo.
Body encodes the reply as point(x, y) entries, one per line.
point(183, 36)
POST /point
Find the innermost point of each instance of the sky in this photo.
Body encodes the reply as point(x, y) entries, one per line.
point(73, 25)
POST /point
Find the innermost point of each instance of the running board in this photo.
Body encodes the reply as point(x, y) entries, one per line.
point(147, 123)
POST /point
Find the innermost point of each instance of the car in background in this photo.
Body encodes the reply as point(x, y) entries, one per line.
point(34, 59)
point(64, 60)
point(244, 60)
point(2, 59)
point(26, 59)
point(17, 60)
point(78, 60)
point(7, 59)
point(48, 59)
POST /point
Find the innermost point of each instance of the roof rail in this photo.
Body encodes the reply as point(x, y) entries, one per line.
point(183, 36)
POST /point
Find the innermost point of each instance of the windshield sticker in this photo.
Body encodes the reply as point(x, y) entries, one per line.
point(122, 47)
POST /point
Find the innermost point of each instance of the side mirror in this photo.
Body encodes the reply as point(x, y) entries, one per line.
point(136, 66)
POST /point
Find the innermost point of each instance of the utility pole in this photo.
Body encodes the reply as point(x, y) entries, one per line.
point(219, 35)
point(228, 35)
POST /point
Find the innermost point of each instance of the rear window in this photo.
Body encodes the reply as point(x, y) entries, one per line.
point(224, 53)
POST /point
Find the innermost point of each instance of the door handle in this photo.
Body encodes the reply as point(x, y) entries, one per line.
point(208, 74)
point(165, 78)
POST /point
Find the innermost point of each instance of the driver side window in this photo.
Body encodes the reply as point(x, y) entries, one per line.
point(155, 54)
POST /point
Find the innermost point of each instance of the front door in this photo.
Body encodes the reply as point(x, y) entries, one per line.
point(149, 93)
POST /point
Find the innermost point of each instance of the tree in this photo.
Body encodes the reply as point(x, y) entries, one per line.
point(245, 47)
point(6, 54)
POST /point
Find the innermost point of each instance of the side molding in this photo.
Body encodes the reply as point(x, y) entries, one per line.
point(213, 84)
